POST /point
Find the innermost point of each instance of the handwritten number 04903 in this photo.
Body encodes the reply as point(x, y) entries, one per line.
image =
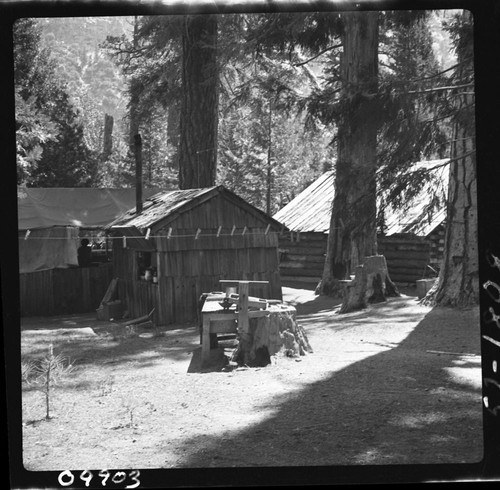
point(66, 478)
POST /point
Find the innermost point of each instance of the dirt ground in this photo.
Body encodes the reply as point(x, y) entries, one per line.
point(397, 383)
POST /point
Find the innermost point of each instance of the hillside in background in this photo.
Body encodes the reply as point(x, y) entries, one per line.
point(92, 77)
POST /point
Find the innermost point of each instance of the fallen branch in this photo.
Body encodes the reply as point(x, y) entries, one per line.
point(450, 353)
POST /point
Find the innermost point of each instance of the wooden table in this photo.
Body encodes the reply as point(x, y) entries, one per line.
point(235, 319)
point(216, 320)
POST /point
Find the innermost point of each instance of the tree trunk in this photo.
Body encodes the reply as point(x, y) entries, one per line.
point(199, 106)
point(269, 162)
point(276, 333)
point(352, 234)
point(173, 133)
point(133, 108)
point(138, 172)
point(371, 284)
point(458, 283)
point(107, 146)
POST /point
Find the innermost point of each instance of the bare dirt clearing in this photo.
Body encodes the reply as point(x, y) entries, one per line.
point(396, 383)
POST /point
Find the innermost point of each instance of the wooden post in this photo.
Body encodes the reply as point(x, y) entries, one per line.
point(245, 338)
point(205, 341)
point(243, 321)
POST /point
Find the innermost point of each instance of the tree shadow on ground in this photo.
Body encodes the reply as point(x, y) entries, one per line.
point(403, 406)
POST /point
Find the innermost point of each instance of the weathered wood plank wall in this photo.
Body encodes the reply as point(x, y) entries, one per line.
point(189, 266)
point(63, 291)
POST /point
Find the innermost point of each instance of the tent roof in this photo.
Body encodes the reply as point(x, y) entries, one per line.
point(82, 207)
point(310, 211)
point(166, 206)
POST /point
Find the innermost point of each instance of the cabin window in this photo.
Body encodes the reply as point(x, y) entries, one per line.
point(146, 266)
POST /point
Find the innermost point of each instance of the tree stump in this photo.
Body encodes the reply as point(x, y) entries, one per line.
point(371, 284)
point(275, 332)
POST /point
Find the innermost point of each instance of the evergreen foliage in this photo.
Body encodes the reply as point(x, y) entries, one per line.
point(50, 142)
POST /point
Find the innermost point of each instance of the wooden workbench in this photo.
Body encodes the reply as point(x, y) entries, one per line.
point(216, 320)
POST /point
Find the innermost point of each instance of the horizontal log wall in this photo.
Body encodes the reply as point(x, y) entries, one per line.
point(302, 256)
point(63, 291)
point(407, 258)
point(437, 244)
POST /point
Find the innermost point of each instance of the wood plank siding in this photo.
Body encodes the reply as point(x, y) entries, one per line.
point(63, 291)
point(194, 248)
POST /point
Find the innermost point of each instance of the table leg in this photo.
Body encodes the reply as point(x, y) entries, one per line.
point(205, 341)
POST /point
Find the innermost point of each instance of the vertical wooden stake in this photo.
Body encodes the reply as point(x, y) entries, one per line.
point(243, 323)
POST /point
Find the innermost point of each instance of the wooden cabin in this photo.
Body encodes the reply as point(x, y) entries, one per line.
point(183, 243)
point(411, 242)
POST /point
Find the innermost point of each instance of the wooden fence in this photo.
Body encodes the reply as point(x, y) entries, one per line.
point(63, 291)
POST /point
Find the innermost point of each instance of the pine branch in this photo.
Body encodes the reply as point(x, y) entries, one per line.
point(430, 77)
point(318, 55)
point(459, 157)
point(437, 89)
point(446, 116)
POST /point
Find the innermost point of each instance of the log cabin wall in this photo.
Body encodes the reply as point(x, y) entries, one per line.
point(407, 257)
point(436, 239)
point(189, 266)
point(303, 256)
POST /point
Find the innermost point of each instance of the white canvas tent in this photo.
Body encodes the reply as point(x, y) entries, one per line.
point(50, 219)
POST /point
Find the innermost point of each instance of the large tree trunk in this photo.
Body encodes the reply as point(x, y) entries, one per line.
point(199, 106)
point(352, 233)
point(458, 283)
point(371, 284)
point(276, 332)
point(135, 90)
point(173, 116)
point(107, 145)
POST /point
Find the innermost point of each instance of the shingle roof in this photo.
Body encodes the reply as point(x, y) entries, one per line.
point(159, 206)
point(310, 211)
point(165, 207)
point(415, 217)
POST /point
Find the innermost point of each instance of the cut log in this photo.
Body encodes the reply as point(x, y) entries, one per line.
point(141, 319)
point(371, 284)
point(276, 332)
